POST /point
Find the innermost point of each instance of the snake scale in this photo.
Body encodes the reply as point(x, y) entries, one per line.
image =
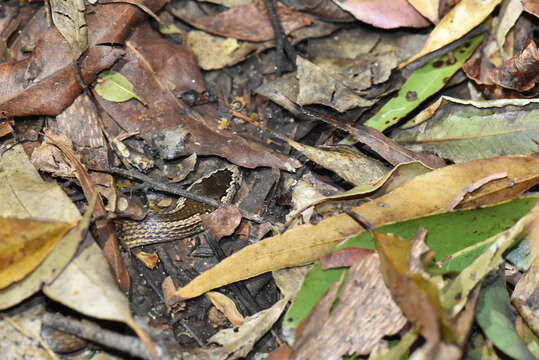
point(184, 220)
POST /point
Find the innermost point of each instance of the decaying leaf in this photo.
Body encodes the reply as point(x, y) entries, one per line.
point(521, 71)
point(24, 194)
point(364, 303)
point(456, 238)
point(161, 79)
point(68, 17)
point(247, 22)
point(347, 162)
point(425, 194)
point(29, 93)
point(225, 305)
point(467, 130)
point(238, 342)
point(87, 286)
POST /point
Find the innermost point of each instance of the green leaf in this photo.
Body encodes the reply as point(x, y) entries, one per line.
point(115, 87)
point(455, 232)
point(496, 318)
point(463, 131)
point(423, 83)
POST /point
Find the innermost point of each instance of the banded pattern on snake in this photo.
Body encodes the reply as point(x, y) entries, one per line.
point(184, 220)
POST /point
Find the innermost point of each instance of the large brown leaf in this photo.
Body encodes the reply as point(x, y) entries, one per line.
point(247, 22)
point(25, 85)
point(160, 72)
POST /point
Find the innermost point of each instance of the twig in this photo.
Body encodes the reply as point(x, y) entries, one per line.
point(283, 47)
point(29, 335)
point(173, 189)
point(89, 331)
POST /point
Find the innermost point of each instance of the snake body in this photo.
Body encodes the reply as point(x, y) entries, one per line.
point(184, 220)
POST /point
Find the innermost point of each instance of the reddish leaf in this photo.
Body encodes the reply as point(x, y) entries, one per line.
point(386, 14)
point(344, 257)
point(531, 6)
point(223, 221)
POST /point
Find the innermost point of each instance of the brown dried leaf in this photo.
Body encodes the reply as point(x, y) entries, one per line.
point(223, 221)
point(345, 161)
point(344, 257)
point(385, 14)
point(325, 9)
point(105, 228)
point(247, 22)
point(25, 85)
point(149, 260)
point(521, 72)
point(456, 24)
point(167, 119)
point(531, 6)
point(363, 315)
point(225, 305)
point(417, 296)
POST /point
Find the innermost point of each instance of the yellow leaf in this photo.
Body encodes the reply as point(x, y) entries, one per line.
point(24, 244)
point(457, 23)
point(425, 194)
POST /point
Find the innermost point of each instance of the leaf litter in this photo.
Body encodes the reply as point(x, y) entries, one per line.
point(407, 182)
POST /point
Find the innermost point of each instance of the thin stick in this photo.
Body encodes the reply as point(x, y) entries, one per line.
point(89, 331)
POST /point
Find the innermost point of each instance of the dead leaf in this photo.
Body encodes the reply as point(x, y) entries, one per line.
point(225, 305)
point(247, 22)
point(215, 52)
point(25, 85)
point(523, 297)
point(318, 86)
point(345, 161)
point(427, 8)
point(105, 228)
point(24, 244)
point(222, 222)
point(68, 16)
point(149, 260)
point(344, 257)
point(24, 194)
point(455, 24)
point(237, 343)
point(521, 72)
point(531, 6)
point(87, 286)
point(389, 14)
point(415, 293)
point(167, 119)
point(364, 303)
point(423, 195)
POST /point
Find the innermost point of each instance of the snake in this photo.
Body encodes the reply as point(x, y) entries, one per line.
point(184, 219)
